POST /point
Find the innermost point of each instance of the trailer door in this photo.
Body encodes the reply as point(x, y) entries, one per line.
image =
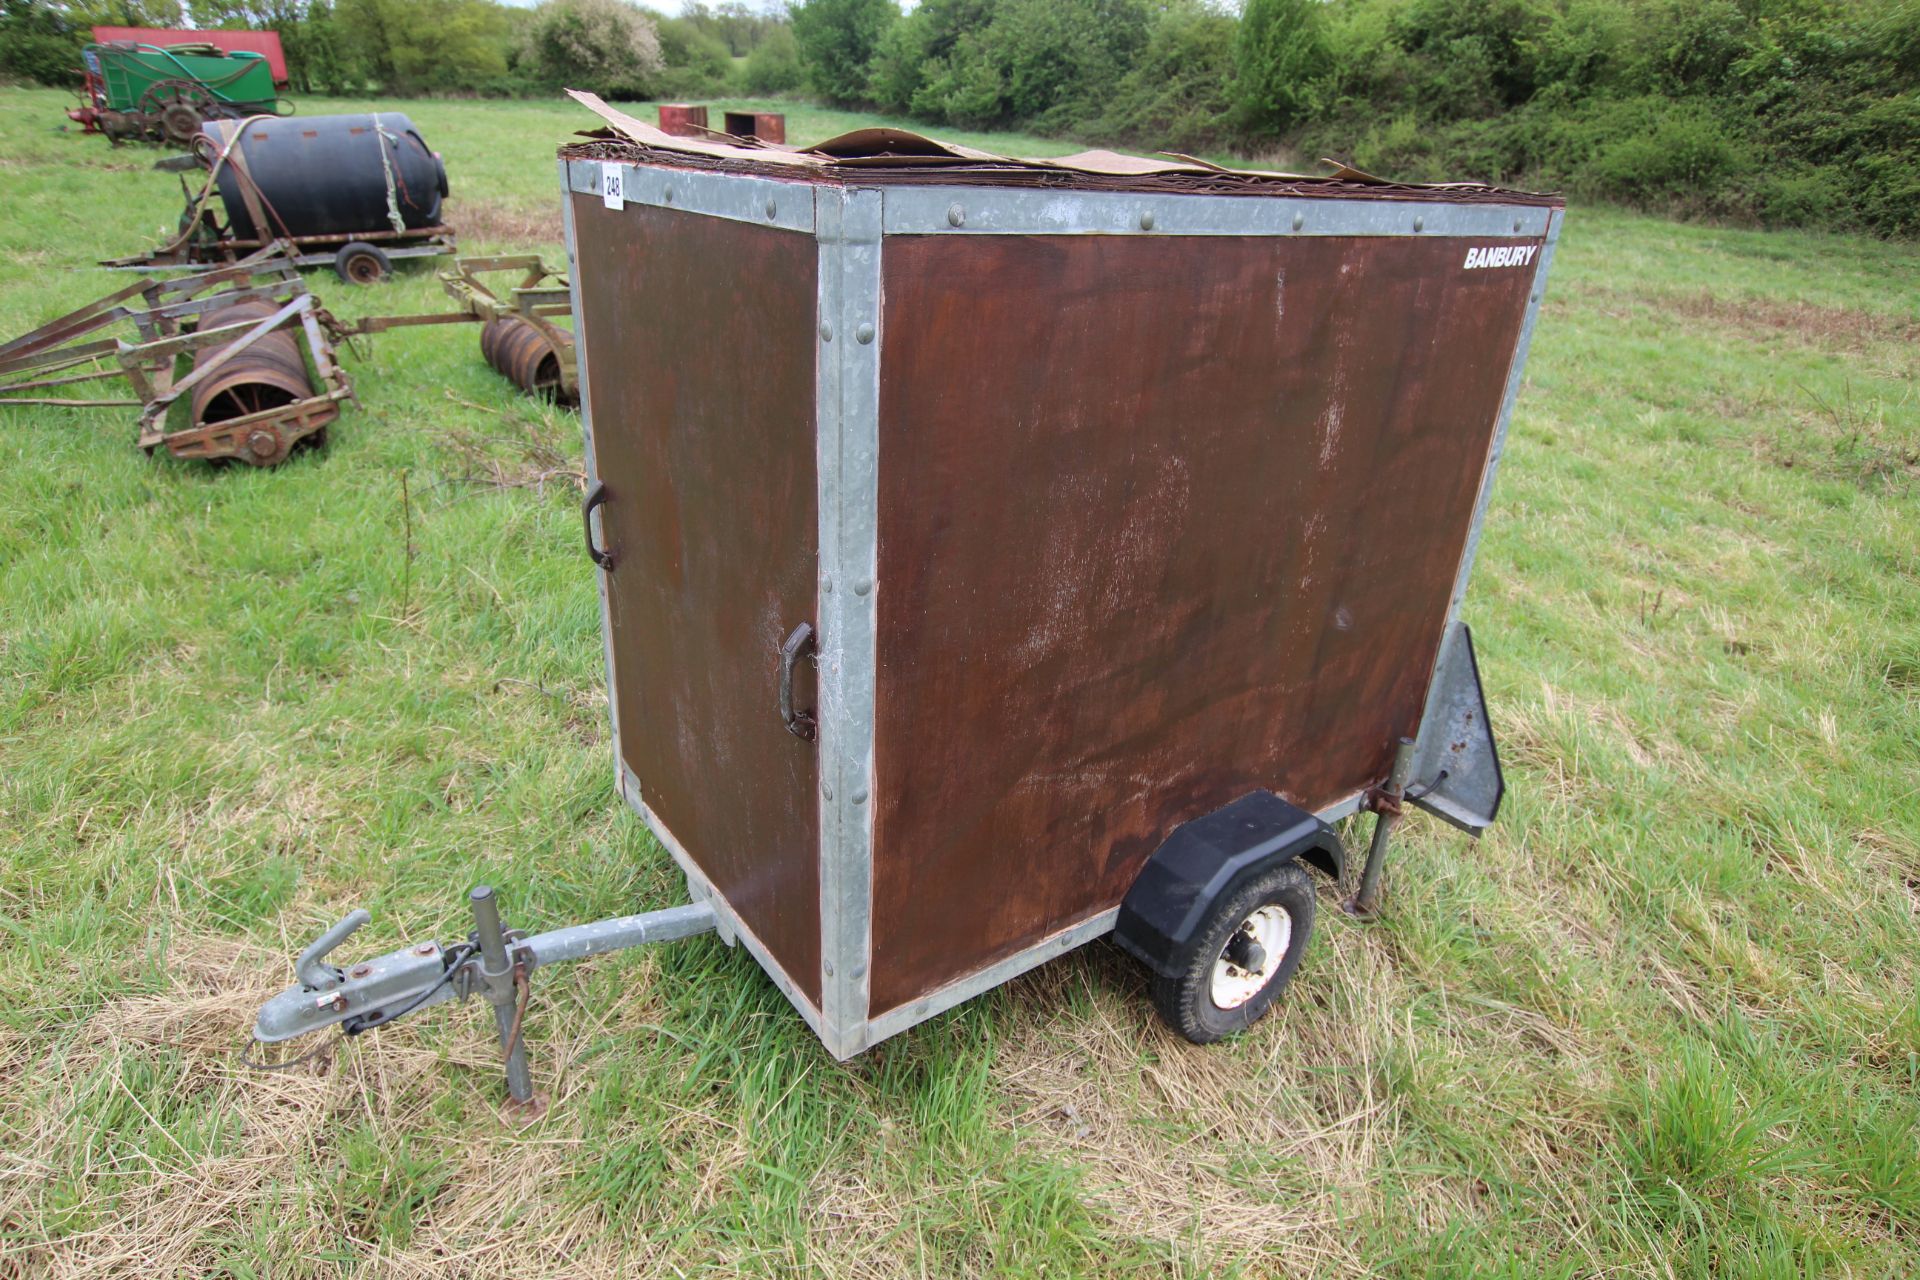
point(697, 386)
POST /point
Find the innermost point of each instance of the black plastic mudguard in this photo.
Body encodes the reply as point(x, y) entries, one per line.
point(1203, 859)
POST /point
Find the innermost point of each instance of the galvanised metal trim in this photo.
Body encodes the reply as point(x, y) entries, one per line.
point(724, 914)
point(1000, 211)
point(894, 1021)
point(1496, 450)
point(767, 202)
point(593, 472)
point(847, 407)
point(1343, 809)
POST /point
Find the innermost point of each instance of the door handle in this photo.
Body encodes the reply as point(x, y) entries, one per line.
point(799, 643)
point(595, 496)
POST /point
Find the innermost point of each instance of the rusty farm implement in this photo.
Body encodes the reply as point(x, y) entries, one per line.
point(238, 362)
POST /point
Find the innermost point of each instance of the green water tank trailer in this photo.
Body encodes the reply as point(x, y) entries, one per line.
point(164, 94)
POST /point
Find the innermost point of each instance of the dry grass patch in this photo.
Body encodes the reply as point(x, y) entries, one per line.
point(1201, 1150)
point(483, 221)
point(147, 1205)
point(525, 450)
point(1269, 1153)
point(1849, 328)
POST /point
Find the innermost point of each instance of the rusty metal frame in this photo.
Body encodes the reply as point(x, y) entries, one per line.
point(148, 364)
point(150, 367)
point(415, 242)
point(55, 346)
point(542, 294)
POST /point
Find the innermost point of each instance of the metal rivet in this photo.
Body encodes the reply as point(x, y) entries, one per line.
point(826, 585)
point(863, 586)
point(956, 216)
point(860, 796)
point(826, 332)
point(667, 195)
point(1516, 226)
point(826, 789)
point(1146, 221)
point(425, 949)
point(828, 966)
point(772, 209)
point(860, 971)
point(1419, 224)
point(1299, 221)
point(864, 334)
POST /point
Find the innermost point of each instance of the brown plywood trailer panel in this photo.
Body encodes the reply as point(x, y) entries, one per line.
point(700, 381)
point(1138, 564)
point(1114, 489)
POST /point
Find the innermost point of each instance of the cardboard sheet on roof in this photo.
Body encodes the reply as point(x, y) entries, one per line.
point(901, 154)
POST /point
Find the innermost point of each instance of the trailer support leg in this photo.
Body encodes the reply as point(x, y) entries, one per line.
point(1386, 818)
point(505, 983)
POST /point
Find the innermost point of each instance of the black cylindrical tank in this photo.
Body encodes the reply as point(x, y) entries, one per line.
point(331, 175)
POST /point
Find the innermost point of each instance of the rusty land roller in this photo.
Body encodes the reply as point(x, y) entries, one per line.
point(524, 356)
point(271, 374)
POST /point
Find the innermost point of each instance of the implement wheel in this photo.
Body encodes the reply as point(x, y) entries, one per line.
point(179, 122)
point(179, 107)
point(361, 263)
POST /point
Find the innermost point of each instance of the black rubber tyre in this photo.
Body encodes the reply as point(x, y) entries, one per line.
point(180, 122)
point(361, 263)
point(1186, 1001)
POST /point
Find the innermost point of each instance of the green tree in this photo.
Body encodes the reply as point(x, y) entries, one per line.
point(739, 26)
point(319, 64)
point(606, 46)
point(423, 46)
point(774, 65)
point(920, 47)
point(1282, 54)
point(85, 14)
point(697, 61)
point(452, 46)
point(1051, 64)
point(37, 42)
point(838, 39)
point(1179, 91)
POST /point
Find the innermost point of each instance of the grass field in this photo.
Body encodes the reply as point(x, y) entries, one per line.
point(1661, 1021)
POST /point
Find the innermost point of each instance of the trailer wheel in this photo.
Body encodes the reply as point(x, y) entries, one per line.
point(1241, 958)
point(361, 263)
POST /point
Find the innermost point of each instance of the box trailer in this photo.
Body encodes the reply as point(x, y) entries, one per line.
point(998, 554)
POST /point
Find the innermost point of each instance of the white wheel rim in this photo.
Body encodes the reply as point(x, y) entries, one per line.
point(1232, 986)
